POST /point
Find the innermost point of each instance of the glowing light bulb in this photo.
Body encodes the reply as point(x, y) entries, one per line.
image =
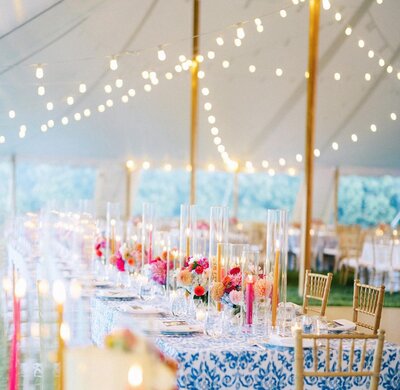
point(205, 91)
point(107, 88)
point(64, 120)
point(225, 64)
point(257, 21)
point(271, 172)
point(371, 54)
point(393, 116)
point(131, 92)
point(367, 77)
point(124, 98)
point(39, 72)
point(11, 114)
point(264, 163)
point(43, 128)
point(146, 165)
point(50, 123)
point(317, 152)
point(299, 157)
point(381, 62)
point(335, 146)
point(82, 87)
point(101, 108)
point(199, 58)
point(130, 164)
point(217, 140)
point(338, 16)
point(200, 74)
point(221, 148)
point(354, 137)
point(373, 128)
point(283, 13)
point(237, 42)
point(77, 116)
point(87, 112)
point(145, 74)
point(135, 375)
point(306, 74)
point(282, 162)
point(260, 28)
point(337, 76)
point(211, 167)
point(214, 130)
point(113, 64)
point(361, 43)
point(49, 106)
point(70, 100)
point(2, 139)
point(252, 68)
point(211, 119)
point(207, 106)
point(291, 171)
point(326, 4)
point(41, 90)
point(109, 103)
point(220, 41)
point(147, 87)
point(211, 55)
point(348, 31)
point(389, 69)
point(168, 76)
point(161, 54)
point(279, 72)
point(240, 32)
point(178, 68)
point(119, 83)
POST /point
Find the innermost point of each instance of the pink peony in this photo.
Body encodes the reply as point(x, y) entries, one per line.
point(199, 270)
point(159, 271)
point(262, 288)
point(236, 279)
point(120, 263)
point(236, 297)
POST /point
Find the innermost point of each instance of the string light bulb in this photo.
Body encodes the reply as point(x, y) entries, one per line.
point(101, 108)
point(367, 76)
point(337, 76)
point(252, 68)
point(82, 88)
point(279, 72)
point(124, 98)
point(2, 139)
point(211, 119)
point(147, 87)
point(70, 100)
point(238, 42)
point(225, 64)
point(335, 146)
point(348, 31)
point(49, 106)
point(240, 32)
point(207, 106)
point(282, 162)
point(381, 62)
point(64, 120)
point(354, 137)
point(41, 90)
point(373, 128)
point(77, 116)
point(260, 28)
point(113, 63)
point(214, 130)
point(220, 41)
point(264, 163)
point(205, 91)
point(338, 16)
point(50, 123)
point(43, 128)
point(119, 83)
point(393, 116)
point(371, 54)
point(361, 43)
point(211, 55)
point(109, 103)
point(145, 165)
point(87, 112)
point(299, 157)
point(168, 76)
point(162, 56)
point(317, 152)
point(39, 72)
point(283, 13)
point(11, 114)
point(389, 69)
point(201, 74)
point(107, 88)
point(326, 4)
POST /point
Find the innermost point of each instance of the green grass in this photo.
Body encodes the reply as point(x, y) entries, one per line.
point(340, 295)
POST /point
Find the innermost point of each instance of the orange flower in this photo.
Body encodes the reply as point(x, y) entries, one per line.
point(131, 261)
point(217, 291)
point(185, 277)
point(113, 260)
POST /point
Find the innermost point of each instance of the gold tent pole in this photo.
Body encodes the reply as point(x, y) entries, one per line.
point(310, 138)
point(194, 101)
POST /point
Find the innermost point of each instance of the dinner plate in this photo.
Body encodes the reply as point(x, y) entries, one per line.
point(116, 295)
point(341, 326)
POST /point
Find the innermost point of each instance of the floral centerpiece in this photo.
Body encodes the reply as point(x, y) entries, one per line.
point(127, 258)
point(100, 248)
point(194, 277)
point(158, 267)
point(229, 291)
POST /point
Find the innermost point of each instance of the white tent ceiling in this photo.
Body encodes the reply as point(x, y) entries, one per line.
point(259, 115)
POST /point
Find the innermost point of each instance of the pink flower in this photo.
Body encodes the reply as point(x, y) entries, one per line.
point(158, 269)
point(199, 270)
point(262, 288)
point(120, 263)
point(236, 279)
point(236, 297)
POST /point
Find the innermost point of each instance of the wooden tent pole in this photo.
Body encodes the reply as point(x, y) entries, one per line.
point(310, 138)
point(194, 101)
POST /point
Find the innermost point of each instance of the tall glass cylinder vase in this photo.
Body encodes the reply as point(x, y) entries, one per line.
point(276, 265)
point(162, 263)
point(148, 229)
point(219, 226)
point(113, 229)
point(187, 233)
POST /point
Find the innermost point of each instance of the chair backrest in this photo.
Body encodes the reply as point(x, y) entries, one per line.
point(316, 287)
point(351, 239)
point(333, 345)
point(368, 302)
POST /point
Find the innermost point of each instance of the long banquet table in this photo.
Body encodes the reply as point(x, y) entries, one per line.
point(207, 363)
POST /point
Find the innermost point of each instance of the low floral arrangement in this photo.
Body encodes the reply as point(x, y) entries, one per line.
point(100, 248)
point(127, 258)
point(158, 267)
point(229, 291)
point(194, 277)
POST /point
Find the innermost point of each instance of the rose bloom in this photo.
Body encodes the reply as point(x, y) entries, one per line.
point(217, 291)
point(120, 264)
point(199, 291)
point(262, 288)
point(236, 297)
point(131, 261)
point(199, 270)
point(113, 259)
point(185, 277)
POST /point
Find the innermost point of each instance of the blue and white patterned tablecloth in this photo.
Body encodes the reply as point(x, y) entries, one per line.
point(205, 363)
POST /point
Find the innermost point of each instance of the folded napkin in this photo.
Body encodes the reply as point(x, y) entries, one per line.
point(116, 294)
point(176, 327)
point(141, 310)
point(341, 325)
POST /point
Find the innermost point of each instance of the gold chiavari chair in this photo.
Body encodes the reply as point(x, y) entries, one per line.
point(333, 343)
point(367, 305)
point(317, 287)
